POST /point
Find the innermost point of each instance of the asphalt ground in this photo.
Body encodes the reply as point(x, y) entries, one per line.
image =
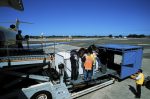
point(144, 42)
point(82, 42)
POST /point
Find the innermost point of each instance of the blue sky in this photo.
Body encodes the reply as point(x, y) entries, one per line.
point(81, 17)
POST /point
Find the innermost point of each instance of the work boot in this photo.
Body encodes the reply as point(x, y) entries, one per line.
point(137, 97)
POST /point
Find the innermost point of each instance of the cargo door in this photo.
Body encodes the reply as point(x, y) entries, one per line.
point(128, 62)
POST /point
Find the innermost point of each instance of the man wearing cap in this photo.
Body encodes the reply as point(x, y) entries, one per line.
point(139, 79)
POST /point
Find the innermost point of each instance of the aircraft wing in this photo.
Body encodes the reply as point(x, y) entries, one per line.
point(16, 4)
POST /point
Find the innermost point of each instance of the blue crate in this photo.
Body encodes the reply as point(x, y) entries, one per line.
point(131, 58)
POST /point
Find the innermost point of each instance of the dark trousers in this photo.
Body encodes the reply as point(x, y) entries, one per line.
point(74, 73)
point(138, 88)
point(20, 45)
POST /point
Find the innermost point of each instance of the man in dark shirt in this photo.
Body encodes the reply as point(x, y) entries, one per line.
point(74, 65)
point(19, 39)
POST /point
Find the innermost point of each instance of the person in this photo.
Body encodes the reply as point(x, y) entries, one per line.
point(82, 53)
point(103, 57)
point(139, 79)
point(93, 55)
point(13, 27)
point(19, 39)
point(88, 67)
point(74, 65)
point(27, 40)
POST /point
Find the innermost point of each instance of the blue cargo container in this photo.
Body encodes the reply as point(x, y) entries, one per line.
point(124, 59)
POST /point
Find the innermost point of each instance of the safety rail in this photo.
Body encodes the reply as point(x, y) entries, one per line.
point(36, 48)
point(24, 57)
point(88, 90)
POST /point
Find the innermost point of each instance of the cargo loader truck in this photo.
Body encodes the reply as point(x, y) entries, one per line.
point(39, 77)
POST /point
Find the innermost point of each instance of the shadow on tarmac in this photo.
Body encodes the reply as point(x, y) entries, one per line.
point(132, 89)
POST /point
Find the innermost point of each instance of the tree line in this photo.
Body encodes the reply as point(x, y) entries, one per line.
point(95, 36)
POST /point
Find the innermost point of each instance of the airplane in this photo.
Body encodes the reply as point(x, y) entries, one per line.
point(7, 35)
point(16, 4)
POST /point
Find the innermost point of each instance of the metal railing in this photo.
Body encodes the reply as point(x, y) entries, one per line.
point(34, 48)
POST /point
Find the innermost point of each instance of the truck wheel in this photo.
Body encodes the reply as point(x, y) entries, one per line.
point(42, 95)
